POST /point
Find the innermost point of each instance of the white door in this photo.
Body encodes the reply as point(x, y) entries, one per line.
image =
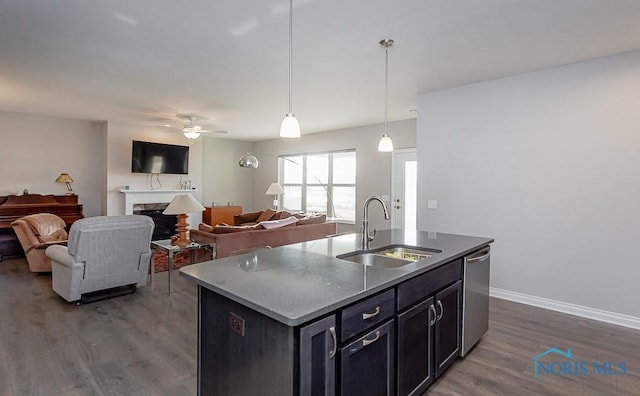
point(404, 189)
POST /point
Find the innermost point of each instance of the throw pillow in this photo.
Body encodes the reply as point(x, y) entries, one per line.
point(317, 219)
point(205, 227)
point(249, 217)
point(281, 215)
point(266, 215)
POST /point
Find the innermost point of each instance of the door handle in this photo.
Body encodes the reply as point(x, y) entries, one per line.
point(366, 316)
point(441, 311)
point(332, 353)
point(432, 310)
point(366, 342)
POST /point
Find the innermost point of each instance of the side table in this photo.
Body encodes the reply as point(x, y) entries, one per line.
point(165, 245)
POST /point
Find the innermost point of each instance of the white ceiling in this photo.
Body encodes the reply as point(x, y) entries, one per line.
point(144, 61)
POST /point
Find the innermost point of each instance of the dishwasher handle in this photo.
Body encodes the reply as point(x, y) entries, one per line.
point(481, 255)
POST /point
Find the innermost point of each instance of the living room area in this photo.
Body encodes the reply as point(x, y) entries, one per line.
point(97, 155)
point(161, 327)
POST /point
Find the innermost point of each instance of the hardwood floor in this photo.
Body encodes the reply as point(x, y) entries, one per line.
point(501, 363)
point(139, 344)
point(145, 344)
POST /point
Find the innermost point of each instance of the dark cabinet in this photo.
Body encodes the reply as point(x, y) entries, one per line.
point(368, 363)
point(318, 348)
point(397, 341)
point(429, 330)
point(415, 348)
point(447, 326)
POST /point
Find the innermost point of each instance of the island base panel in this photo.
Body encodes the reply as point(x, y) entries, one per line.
point(260, 362)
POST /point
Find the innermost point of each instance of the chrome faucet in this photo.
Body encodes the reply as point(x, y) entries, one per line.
point(366, 238)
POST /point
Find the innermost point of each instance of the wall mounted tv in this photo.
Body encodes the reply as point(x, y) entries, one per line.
point(148, 157)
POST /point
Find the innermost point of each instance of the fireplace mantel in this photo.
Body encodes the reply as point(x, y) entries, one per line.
point(132, 197)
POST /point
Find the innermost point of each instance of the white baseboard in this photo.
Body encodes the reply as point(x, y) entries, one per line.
point(571, 309)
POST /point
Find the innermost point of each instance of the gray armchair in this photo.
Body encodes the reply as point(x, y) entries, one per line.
point(104, 252)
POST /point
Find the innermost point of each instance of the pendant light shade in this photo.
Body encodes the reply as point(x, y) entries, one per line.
point(290, 128)
point(386, 144)
point(248, 161)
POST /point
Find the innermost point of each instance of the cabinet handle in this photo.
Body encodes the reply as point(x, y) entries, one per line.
point(332, 353)
point(366, 342)
point(432, 310)
point(366, 316)
point(441, 311)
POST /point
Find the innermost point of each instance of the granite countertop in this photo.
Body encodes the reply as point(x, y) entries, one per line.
point(297, 283)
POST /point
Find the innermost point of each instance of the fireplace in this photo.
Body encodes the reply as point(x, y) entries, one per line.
point(165, 224)
point(153, 202)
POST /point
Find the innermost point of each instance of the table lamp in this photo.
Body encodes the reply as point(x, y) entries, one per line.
point(180, 206)
point(66, 179)
point(274, 189)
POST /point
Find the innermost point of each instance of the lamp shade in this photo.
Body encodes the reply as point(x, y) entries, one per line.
point(64, 178)
point(183, 203)
point(386, 144)
point(274, 189)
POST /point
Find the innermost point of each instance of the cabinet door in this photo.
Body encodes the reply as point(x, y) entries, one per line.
point(415, 354)
point(318, 347)
point(447, 326)
point(368, 364)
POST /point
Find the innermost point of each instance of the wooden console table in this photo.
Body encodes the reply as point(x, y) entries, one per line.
point(220, 214)
point(13, 207)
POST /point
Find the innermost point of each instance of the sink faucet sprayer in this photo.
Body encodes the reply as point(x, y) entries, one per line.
point(366, 238)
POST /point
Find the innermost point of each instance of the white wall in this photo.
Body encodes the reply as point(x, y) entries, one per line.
point(547, 163)
point(373, 169)
point(119, 140)
point(224, 180)
point(36, 149)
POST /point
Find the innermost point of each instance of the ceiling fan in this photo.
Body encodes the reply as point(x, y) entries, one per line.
point(193, 130)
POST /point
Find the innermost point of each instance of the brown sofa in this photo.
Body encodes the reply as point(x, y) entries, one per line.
point(249, 234)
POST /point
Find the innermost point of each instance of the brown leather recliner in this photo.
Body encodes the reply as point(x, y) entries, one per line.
point(37, 232)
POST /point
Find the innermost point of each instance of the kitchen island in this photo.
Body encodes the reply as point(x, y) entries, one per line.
point(298, 320)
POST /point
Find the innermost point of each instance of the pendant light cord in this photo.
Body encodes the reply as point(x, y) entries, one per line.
point(386, 86)
point(290, 49)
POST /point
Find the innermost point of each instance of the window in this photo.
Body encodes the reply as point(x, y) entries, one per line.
point(320, 183)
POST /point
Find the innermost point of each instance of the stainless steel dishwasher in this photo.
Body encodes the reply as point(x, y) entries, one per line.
point(475, 299)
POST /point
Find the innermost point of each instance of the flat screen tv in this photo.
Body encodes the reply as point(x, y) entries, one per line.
point(148, 157)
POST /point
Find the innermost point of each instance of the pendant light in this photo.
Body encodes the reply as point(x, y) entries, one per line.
point(290, 128)
point(386, 144)
point(248, 161)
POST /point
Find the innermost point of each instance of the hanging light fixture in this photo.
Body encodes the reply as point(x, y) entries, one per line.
point(290, 127)
point(386, 144)
point(248, 161)
point(191, 131)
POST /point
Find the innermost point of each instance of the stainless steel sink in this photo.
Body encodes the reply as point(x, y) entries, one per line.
point(392, 256)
